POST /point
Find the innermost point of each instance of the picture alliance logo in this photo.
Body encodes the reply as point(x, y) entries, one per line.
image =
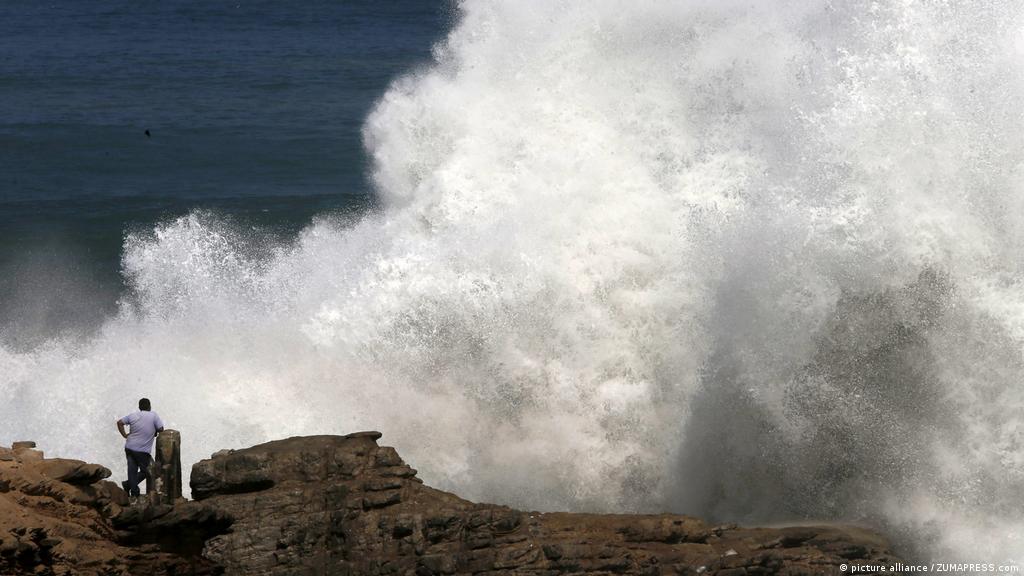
point(935, 568)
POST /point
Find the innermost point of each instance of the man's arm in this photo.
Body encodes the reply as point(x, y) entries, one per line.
point(120, 428)
point(158, 431)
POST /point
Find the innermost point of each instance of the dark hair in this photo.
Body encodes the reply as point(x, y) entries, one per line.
point(144, 404)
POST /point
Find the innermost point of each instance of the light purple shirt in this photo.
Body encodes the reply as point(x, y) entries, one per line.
point(143, 426)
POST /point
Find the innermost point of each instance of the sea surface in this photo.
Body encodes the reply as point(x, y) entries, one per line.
point(254, 111)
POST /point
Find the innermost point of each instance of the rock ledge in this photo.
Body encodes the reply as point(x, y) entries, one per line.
point(345, 505)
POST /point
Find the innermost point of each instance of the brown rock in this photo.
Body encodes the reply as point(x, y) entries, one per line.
point(55, 519)
point(371, 434)
point(346, 506)
point(28, 455)
point(72, 471)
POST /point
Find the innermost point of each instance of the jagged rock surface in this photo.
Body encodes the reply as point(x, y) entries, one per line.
point(55, 520)
point(344, 505)
point(347, 506)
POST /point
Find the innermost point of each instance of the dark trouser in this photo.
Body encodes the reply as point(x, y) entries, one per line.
point(138, 470)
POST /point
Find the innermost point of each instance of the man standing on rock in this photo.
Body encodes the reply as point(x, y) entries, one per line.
point(144, 426)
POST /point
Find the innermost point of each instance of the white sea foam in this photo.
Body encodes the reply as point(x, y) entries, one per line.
point(756, 261)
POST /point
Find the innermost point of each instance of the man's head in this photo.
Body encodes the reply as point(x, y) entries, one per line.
point(144, 404)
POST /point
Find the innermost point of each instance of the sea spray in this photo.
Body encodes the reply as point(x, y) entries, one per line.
point(755, 262)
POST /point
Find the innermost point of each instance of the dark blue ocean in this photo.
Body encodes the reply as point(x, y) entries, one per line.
point(253, 107)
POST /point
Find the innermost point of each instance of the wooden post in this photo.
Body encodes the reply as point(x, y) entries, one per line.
point(165, 472)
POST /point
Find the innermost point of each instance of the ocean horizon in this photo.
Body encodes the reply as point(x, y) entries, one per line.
point(254, 112)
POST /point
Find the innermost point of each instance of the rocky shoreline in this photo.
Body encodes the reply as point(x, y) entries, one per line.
point(346, 505)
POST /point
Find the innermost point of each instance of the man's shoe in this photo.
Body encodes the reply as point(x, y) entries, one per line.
point(133, 500)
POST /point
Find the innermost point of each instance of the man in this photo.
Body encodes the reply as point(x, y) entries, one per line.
point(144, 426)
